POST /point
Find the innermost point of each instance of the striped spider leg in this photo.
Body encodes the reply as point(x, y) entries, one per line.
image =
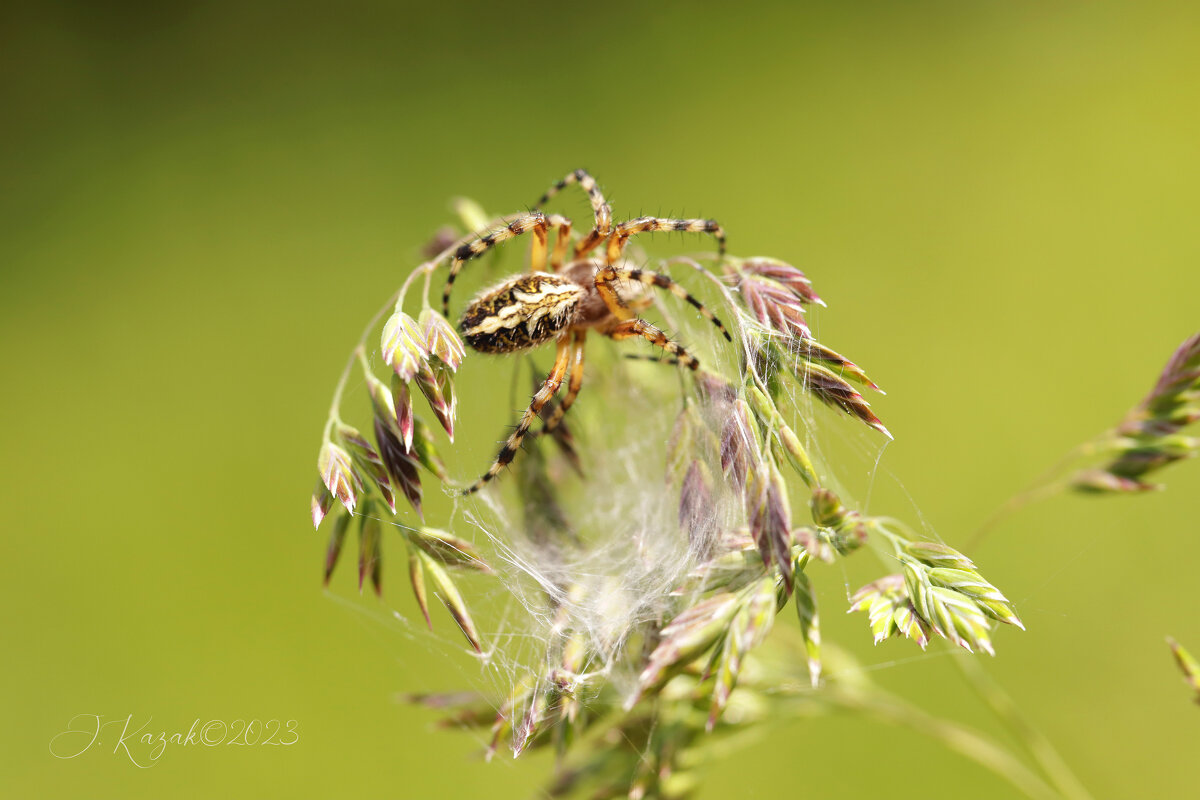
point(600, 209)
point(535, 222)
point(630, 325)
point(637, 326)
point(620, 235)
point(573, 386)
point(563, 356)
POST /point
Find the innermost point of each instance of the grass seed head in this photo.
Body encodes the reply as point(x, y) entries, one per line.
point(337, 473)
point(441, 340)
point(1149, 438)
point(1188, 665)
point(402, 345)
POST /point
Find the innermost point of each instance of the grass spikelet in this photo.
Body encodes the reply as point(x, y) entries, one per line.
point(805, 597)
point(1188, 665)
point(337, 473)
point(447, 591)
point(748, 627)
point(1149, 437)
point(402, 345)
point(687, 637)
point(370, 556)
point(401, 464)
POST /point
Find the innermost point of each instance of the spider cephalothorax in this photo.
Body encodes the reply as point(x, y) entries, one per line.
point(561, 305)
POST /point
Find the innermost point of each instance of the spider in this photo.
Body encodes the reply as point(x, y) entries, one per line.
point(564, 303)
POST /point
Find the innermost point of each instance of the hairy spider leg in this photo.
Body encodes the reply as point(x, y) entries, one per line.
point(639, 327)
point(606, 275)
point(621, 234)
point(572, 387)
point(534, 221)
point(560, 246)
point(600, 208)
point(655, 359)
point(540, 398)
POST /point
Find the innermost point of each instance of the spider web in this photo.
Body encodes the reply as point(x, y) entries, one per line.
point(617, 564)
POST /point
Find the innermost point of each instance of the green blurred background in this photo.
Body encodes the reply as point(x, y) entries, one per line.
point(203, 202)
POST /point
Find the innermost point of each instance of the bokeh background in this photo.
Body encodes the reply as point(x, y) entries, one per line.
point(203, 202)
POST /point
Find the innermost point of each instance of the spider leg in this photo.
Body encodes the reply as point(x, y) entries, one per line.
point(540, 398)
point(655, 359)
point(560, 246)
point(621, 234)
point(639, 327)
point(600, 208)
point(606, 275)
point(572, 387)
point(534, 221)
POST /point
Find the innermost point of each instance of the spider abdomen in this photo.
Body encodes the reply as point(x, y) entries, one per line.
point(521, 313)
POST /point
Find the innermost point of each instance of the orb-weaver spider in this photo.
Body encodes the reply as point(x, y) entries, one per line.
point(533, 308)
